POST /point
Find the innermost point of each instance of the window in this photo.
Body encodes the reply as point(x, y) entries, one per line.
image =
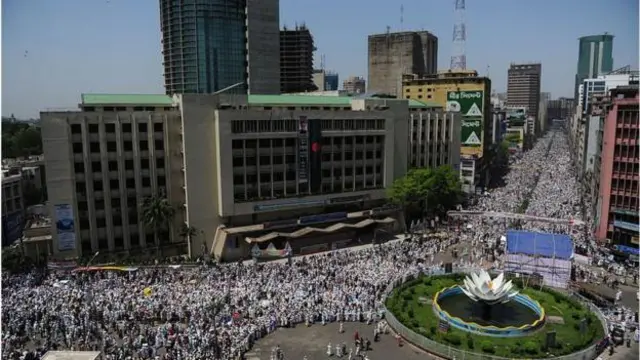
point(142, 127)
point(159, 144)
point(131, 183)
point(128, 146)
point(83, 206)
point(99, 205)
point(77, 148)
point(144, 145)
point(126, 128)
point(94, 128)
point(76, 129)
point(146, 181)
point(113, 165)
point(144, 163)
point(94, 147)
point(128, 164)
point(114, 184)
point(157, 127)
point(110, 128)
point(111, 146)
point(160, 163)
point(78, 167)
point(162, 181)
point(95, 166)
point(97, 185)
point(81, 188)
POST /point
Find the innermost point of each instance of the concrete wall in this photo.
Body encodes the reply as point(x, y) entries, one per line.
point(391, 55)
point(263, 45)
point(56, 144)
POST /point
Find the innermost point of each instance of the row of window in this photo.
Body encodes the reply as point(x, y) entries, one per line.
point(112, 165)
point(118, 242)
point(114, 184)
point(110, 128)
point(112, 146)
point(292, 125)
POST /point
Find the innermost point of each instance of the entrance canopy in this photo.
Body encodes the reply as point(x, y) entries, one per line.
point(311, 230)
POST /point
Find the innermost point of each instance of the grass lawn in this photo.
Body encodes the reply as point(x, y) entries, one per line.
point(404, 302)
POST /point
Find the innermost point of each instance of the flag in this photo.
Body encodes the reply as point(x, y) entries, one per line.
point(147, 291)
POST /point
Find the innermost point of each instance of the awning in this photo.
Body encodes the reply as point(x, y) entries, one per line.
point(309, 230)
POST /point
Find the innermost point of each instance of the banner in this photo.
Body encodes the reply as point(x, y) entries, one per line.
point(65, 227)
point(270, 251)
point(470, 104)
point(303, 150)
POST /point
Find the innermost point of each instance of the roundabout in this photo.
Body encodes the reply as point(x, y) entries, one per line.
point(478, 316)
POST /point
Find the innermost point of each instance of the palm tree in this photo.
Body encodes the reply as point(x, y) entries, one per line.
point(188, 233)
point(157, 213)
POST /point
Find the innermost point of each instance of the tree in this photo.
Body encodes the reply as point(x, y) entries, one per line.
point(20, 139)
point(188, 233)
point(426, 190)
point(157, 213)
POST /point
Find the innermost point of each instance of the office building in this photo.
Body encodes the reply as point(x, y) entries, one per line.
point(296, 60)
point(617, 215)
point(604, 83)
point(523, 86)
point(12, 208)
point(595, 58)
point(560, 108)
point(210, 45)
point(393, 54)
point(251, 173)
point(470, 95)
point(354, 85)
point(325, 80)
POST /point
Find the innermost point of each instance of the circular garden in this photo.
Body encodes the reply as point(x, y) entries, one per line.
point(576, 327)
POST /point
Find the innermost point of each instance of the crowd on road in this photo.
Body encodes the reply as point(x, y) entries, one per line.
point(218, 312)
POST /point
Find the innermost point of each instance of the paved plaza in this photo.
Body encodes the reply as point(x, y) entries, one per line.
point(312, 342)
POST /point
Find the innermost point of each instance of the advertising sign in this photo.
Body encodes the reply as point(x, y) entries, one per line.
point(303, 150)
point(470, 104)
point(65, 227)
point(516, 117)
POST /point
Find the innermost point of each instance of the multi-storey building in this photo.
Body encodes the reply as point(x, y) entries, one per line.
point(393, 54)
point(210, 45)
point(617, 215)
point(560, 108)
point(296, 60)
point(469, 94)
point(603, 83)
point(247, 171)
point(324, 80)
point(354, 85)
point(12, 207)
point(523, 86)
point(595, 57)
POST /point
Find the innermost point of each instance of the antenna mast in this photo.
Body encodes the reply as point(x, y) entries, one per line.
point(458, 56)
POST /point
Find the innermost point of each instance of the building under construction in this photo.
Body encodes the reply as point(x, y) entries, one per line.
point(296, 60)
point(394, 54)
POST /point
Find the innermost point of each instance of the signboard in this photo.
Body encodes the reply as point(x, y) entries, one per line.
point(470, 104)
point(65, 227)
point(303, 150)
point(280, 223)
point(517, 116)
point(289, 204)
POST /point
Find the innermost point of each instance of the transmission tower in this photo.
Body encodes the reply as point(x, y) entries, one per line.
point(458, 57)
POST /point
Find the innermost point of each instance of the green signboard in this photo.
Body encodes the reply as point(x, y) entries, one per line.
point(470, 105)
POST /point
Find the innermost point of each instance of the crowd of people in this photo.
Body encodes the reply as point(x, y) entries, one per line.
point(218, 312)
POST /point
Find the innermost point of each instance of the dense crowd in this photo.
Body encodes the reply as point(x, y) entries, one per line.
point(218, 312)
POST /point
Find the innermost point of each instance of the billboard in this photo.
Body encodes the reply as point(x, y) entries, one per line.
point(516, 116)
point(303, 150)
point(65, 227)
point(470, 104)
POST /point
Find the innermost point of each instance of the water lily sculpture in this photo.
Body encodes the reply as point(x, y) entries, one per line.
point(480, 287)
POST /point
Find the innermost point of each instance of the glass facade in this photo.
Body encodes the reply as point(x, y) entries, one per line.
point(204, 45)
point(595, 57)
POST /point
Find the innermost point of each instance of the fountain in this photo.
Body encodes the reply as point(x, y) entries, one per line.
point(489, 307)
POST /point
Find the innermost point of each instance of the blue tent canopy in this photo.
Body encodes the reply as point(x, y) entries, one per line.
point(557, 246)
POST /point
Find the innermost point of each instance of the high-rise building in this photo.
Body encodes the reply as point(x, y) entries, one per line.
point(470, 95)
point(617, 203)
point(12, 207)
point(523, 87)
point(209, 45)
point(249, 172)
point(354, 85)
point(324, 80)
point(595, 57)
point(296, 60)
point(560, 108)
point(393, 54)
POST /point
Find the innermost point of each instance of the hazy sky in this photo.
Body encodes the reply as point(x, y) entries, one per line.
point(113, 46)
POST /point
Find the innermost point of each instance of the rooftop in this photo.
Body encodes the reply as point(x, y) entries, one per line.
point(268, 100)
